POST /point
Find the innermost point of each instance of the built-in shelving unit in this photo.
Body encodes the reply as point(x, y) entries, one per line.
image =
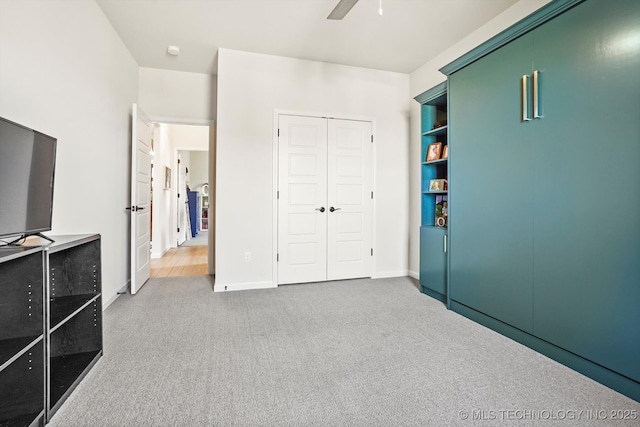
point(442, 130)
point(433, 113)
point(434, 202)
point(204, 212)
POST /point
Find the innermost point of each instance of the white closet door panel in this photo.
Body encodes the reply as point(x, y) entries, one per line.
point(349, 186)
point(302, 183)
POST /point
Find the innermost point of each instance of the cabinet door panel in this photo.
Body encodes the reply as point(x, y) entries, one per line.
point(587, 194)
point(433, 260)
point(491, 204)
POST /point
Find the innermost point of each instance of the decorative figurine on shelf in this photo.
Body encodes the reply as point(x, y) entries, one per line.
point(441, 217)
point(439, 124)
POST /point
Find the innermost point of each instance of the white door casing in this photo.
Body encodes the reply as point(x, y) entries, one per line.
point(349, 186)
point(140, 192)
point(302, 176)
point(323, 164)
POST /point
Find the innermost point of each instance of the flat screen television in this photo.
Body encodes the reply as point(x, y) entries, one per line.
point(27, 167)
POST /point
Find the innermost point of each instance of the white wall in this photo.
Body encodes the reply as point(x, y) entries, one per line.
point(199, 170)
point(189, 138)
point(178, 97)
point(65, 72)
point(250, 88)
point(425, 78)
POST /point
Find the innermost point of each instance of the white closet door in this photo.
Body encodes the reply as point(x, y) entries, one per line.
point(302, 203)
point(349, 220)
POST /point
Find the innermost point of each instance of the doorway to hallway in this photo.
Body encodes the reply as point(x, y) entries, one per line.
point(182, 231)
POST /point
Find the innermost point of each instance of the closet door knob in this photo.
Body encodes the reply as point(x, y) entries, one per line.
point(321, 209)
point(332, 209)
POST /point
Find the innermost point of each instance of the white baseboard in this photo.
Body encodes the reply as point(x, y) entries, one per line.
point(110, 301)
point(220, 287)
point(123, 290)
point(156, 255)
point(387, 274)
point(414, 275)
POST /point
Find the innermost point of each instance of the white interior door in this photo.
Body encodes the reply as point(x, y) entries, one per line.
point(140, 206)
point(183, 229)
point(302, 200)
point(349, 181)
point(324, 202)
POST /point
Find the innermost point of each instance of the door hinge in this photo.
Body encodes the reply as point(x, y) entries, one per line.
point(178, 229)
point(278, 194)
point(371, 138)
point(278, 132)
point(277, 257)
point(371, 251)
point(372, 195)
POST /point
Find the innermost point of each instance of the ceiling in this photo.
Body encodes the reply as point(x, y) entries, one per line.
point(408, 34)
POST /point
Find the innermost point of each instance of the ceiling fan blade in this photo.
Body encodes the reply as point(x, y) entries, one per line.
point(342, 8)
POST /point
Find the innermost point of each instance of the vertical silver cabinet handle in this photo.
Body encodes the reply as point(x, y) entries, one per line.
point(444, 242)
point(525, 101)
point(536, 97)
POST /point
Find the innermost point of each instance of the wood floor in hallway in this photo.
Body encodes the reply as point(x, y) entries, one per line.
point(181, 262)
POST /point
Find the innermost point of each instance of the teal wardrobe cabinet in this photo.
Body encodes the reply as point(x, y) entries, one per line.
point(545, 199)
point(433, 226)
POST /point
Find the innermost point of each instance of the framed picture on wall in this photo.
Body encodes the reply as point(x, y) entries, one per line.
point(167, 178)
point(434, 151)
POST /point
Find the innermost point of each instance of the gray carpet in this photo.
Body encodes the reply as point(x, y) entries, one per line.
point(201, 239)
point(349, 353)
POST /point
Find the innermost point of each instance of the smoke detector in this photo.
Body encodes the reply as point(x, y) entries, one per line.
point(173, 50)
